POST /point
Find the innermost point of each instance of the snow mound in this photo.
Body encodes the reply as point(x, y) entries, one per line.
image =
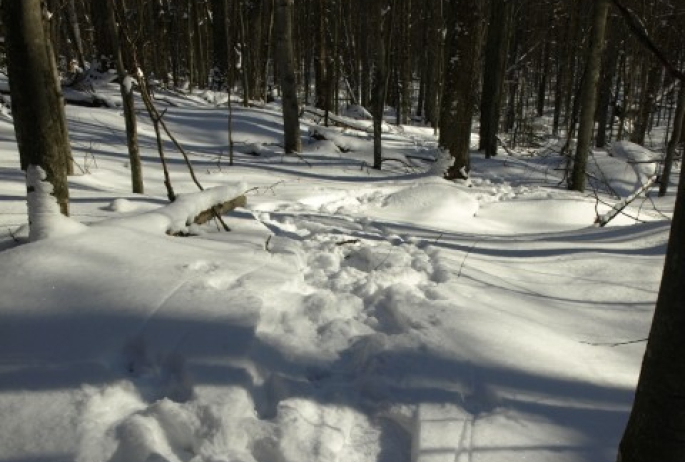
point(627, 169)
point(435, 203)
point(122, 205)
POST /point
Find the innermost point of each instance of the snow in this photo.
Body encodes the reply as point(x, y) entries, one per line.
point(350, 315)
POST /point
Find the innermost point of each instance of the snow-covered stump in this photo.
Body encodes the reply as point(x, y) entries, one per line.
point(442, 433)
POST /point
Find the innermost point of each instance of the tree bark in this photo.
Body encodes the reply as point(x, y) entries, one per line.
point(462, 71)
point(656, 425)
point(380, 81)
point(647, 99)
point(39, 119)
point(673, 142)
point(291, 122)
point(496, 50)
point(609, 64)
point(589, 95)
point(128, 102)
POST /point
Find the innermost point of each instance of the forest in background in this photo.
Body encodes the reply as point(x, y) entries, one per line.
point(515, 68)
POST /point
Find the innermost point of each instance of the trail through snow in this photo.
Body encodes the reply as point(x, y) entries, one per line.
point(350, 315)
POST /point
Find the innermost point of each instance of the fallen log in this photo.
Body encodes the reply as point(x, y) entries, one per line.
point(603, 220)
point(219, 209)
point(186, 211)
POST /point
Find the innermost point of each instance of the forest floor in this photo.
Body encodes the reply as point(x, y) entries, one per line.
point(350, 315)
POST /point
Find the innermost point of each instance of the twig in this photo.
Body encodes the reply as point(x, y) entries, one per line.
point(614, 344)
point(348, 241)
point(468, 252)
point(639, 31)
point(268, 188)
point(13, 234)
point(438, 238)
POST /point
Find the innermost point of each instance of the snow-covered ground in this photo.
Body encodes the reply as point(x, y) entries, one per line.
point(350, 315)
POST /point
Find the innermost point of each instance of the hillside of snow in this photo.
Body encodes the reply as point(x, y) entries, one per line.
point(350, 315)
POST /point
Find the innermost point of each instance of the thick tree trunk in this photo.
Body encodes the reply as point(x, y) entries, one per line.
point(462, 71)
point(39, 119)
point(321, 69)
point(75, 33)
point(589, 95)
point(284, 39)
point(219, 33)
point(496, 50)
point(657, 422)
point(103, 45)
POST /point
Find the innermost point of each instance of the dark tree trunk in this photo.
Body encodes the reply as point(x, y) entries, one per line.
point(219, 33)
point(496, 50)
point(673, 142)
point(609, 64)
point(75, 32)
point(646, 108)
point(657, 422)
point(588, 97)
point(103, 45)
point(291, 123)
point(462, 71)
point(380, 80)
point(39, 120)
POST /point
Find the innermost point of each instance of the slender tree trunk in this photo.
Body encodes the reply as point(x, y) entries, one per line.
point(322, 68)
point(647, 100)
point(605, 86)
point(129, 106)
point(542, 84)
point(39, 118)
point(589, 95)
point(244, 57)
point(673, 142)
point(291, 122)
point(380, 79)
point(229, 76)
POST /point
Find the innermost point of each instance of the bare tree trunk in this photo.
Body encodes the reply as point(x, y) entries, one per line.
point(656, 425)
point(380, 81)
point(462, 71)
point(75, 33)
point(39, 118)
point(291, 122)
point(129, 107)
point(609, 64)
point(673, 142)
point(589, 95)
point(647, 99)
point(496, 49)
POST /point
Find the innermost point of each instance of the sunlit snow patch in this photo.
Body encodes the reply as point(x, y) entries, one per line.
point(435, 203)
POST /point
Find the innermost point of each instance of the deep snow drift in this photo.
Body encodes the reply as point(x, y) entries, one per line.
point(350, 315)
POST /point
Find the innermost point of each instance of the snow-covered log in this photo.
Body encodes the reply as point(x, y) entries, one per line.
point(187, 210)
